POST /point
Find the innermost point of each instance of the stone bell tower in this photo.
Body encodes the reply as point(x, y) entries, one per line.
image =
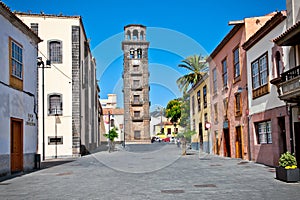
point(136, 84)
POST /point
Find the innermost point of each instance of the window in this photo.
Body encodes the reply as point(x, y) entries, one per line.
point(236, 62)
point(55, 51)
point(139, 53)
point(214, 80)
point(199, 100)
point(260, 76)
point(193, 105)
point(264, 132)
point(204, 97)
point(238, 110)
point(55, 104)
point(137, 113)
point(278, 63)
point(224, 72)
point(194, 124)
point(225, 104)
point(216, 112)
point(16, 60)
point(135, 68)
point(112, 123)
point(136, 98)
point(35, 27)
point(15, 64)
point(136, 83)
point(137, 134)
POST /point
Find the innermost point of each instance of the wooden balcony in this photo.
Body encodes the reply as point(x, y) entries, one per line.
point(289, 85)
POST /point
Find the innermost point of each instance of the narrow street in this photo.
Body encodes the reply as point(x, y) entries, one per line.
point(155, 171)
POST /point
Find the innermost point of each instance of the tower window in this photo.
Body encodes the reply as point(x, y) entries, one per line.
point(139, 53)
point(135, 35)
point(131, 53)
point(55, 104)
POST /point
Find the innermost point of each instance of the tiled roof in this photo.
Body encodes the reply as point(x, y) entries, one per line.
point(291, 29)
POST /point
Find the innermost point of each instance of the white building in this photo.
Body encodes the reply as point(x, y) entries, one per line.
point(70, 88)
point(18, 94)
point(110, 102)
point(268, 115)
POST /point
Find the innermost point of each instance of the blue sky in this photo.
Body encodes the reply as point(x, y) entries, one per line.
point(175, 30)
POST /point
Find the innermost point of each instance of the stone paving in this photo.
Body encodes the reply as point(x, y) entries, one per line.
point(154, 171)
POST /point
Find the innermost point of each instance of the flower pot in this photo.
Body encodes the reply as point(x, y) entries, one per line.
point(287, 175)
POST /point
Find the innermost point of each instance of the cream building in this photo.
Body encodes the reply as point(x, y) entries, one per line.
point(71, 125)
point(18, 94)
point(200, 116)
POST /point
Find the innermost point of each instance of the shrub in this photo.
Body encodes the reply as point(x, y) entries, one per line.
point(287, 160)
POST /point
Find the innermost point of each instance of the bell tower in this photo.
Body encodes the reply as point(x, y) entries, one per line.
point(136, 84)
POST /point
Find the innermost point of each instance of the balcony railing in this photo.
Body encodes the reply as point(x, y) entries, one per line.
point(289, 86)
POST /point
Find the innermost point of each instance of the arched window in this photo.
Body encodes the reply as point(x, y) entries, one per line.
point(142, 35)
point(55, 104)
point(128, 35)
point(55, 51)
point(278, 63)
point(135, 35)
point(139, 53)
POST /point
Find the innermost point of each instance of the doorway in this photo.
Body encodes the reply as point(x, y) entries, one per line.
point(297, 140)
point(282, 135)
point(238, 142)
point(200, 137)
point(16, 144)
point(226, 145)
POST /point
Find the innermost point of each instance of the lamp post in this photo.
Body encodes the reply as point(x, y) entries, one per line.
point(41, 64)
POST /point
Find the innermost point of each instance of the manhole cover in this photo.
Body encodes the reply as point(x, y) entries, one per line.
point(172, 191)
point(215, 165)
point(4, 183)
point(205, 185)
point(204, 158)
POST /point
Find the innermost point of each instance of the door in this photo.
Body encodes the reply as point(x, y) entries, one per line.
point(282, 136)
point(16, 144)
point(226, 145)
point(238, 143)
point(200, 137)
point(297, 140)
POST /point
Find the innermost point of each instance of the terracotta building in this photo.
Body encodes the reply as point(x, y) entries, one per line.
point(229, 96)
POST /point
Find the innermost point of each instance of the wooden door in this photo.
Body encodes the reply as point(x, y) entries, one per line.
point(238, 143)
point(16, 144)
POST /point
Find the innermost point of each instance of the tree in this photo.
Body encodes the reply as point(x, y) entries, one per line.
point(197, 69)
point(173, 111)
point(111, 135)
point(185, 111)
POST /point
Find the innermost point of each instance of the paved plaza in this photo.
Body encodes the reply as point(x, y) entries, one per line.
point(154, 171)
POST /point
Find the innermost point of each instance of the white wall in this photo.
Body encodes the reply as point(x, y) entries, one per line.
point(15, 103)
point(270, 100)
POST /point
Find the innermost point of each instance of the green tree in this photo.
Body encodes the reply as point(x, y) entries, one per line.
point(173, 111)
point(197, 69)
point(111, 135)
point(185, 111)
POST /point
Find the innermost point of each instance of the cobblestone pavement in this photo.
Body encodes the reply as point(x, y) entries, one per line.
point(155, 171)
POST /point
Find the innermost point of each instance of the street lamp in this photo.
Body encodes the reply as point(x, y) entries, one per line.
point(41, 64)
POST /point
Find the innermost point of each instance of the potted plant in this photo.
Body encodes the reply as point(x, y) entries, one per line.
point(287, 170)
point(111, 135)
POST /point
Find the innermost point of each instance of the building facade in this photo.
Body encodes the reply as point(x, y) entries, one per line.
point(18, 96)
point(136, 84)
point(229, 96)
point(69, 122)
point(200, 116)
point(268, 116)
point(288, 82)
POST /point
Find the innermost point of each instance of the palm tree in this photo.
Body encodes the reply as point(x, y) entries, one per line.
point(197, 68)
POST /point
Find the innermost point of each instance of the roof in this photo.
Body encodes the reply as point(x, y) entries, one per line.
point(13, 19)
point(61, 16)
point(232, 32)
point(164, 123)
point(290, 36)
point(140, 25)
point(113, 111)
point(265, 29)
